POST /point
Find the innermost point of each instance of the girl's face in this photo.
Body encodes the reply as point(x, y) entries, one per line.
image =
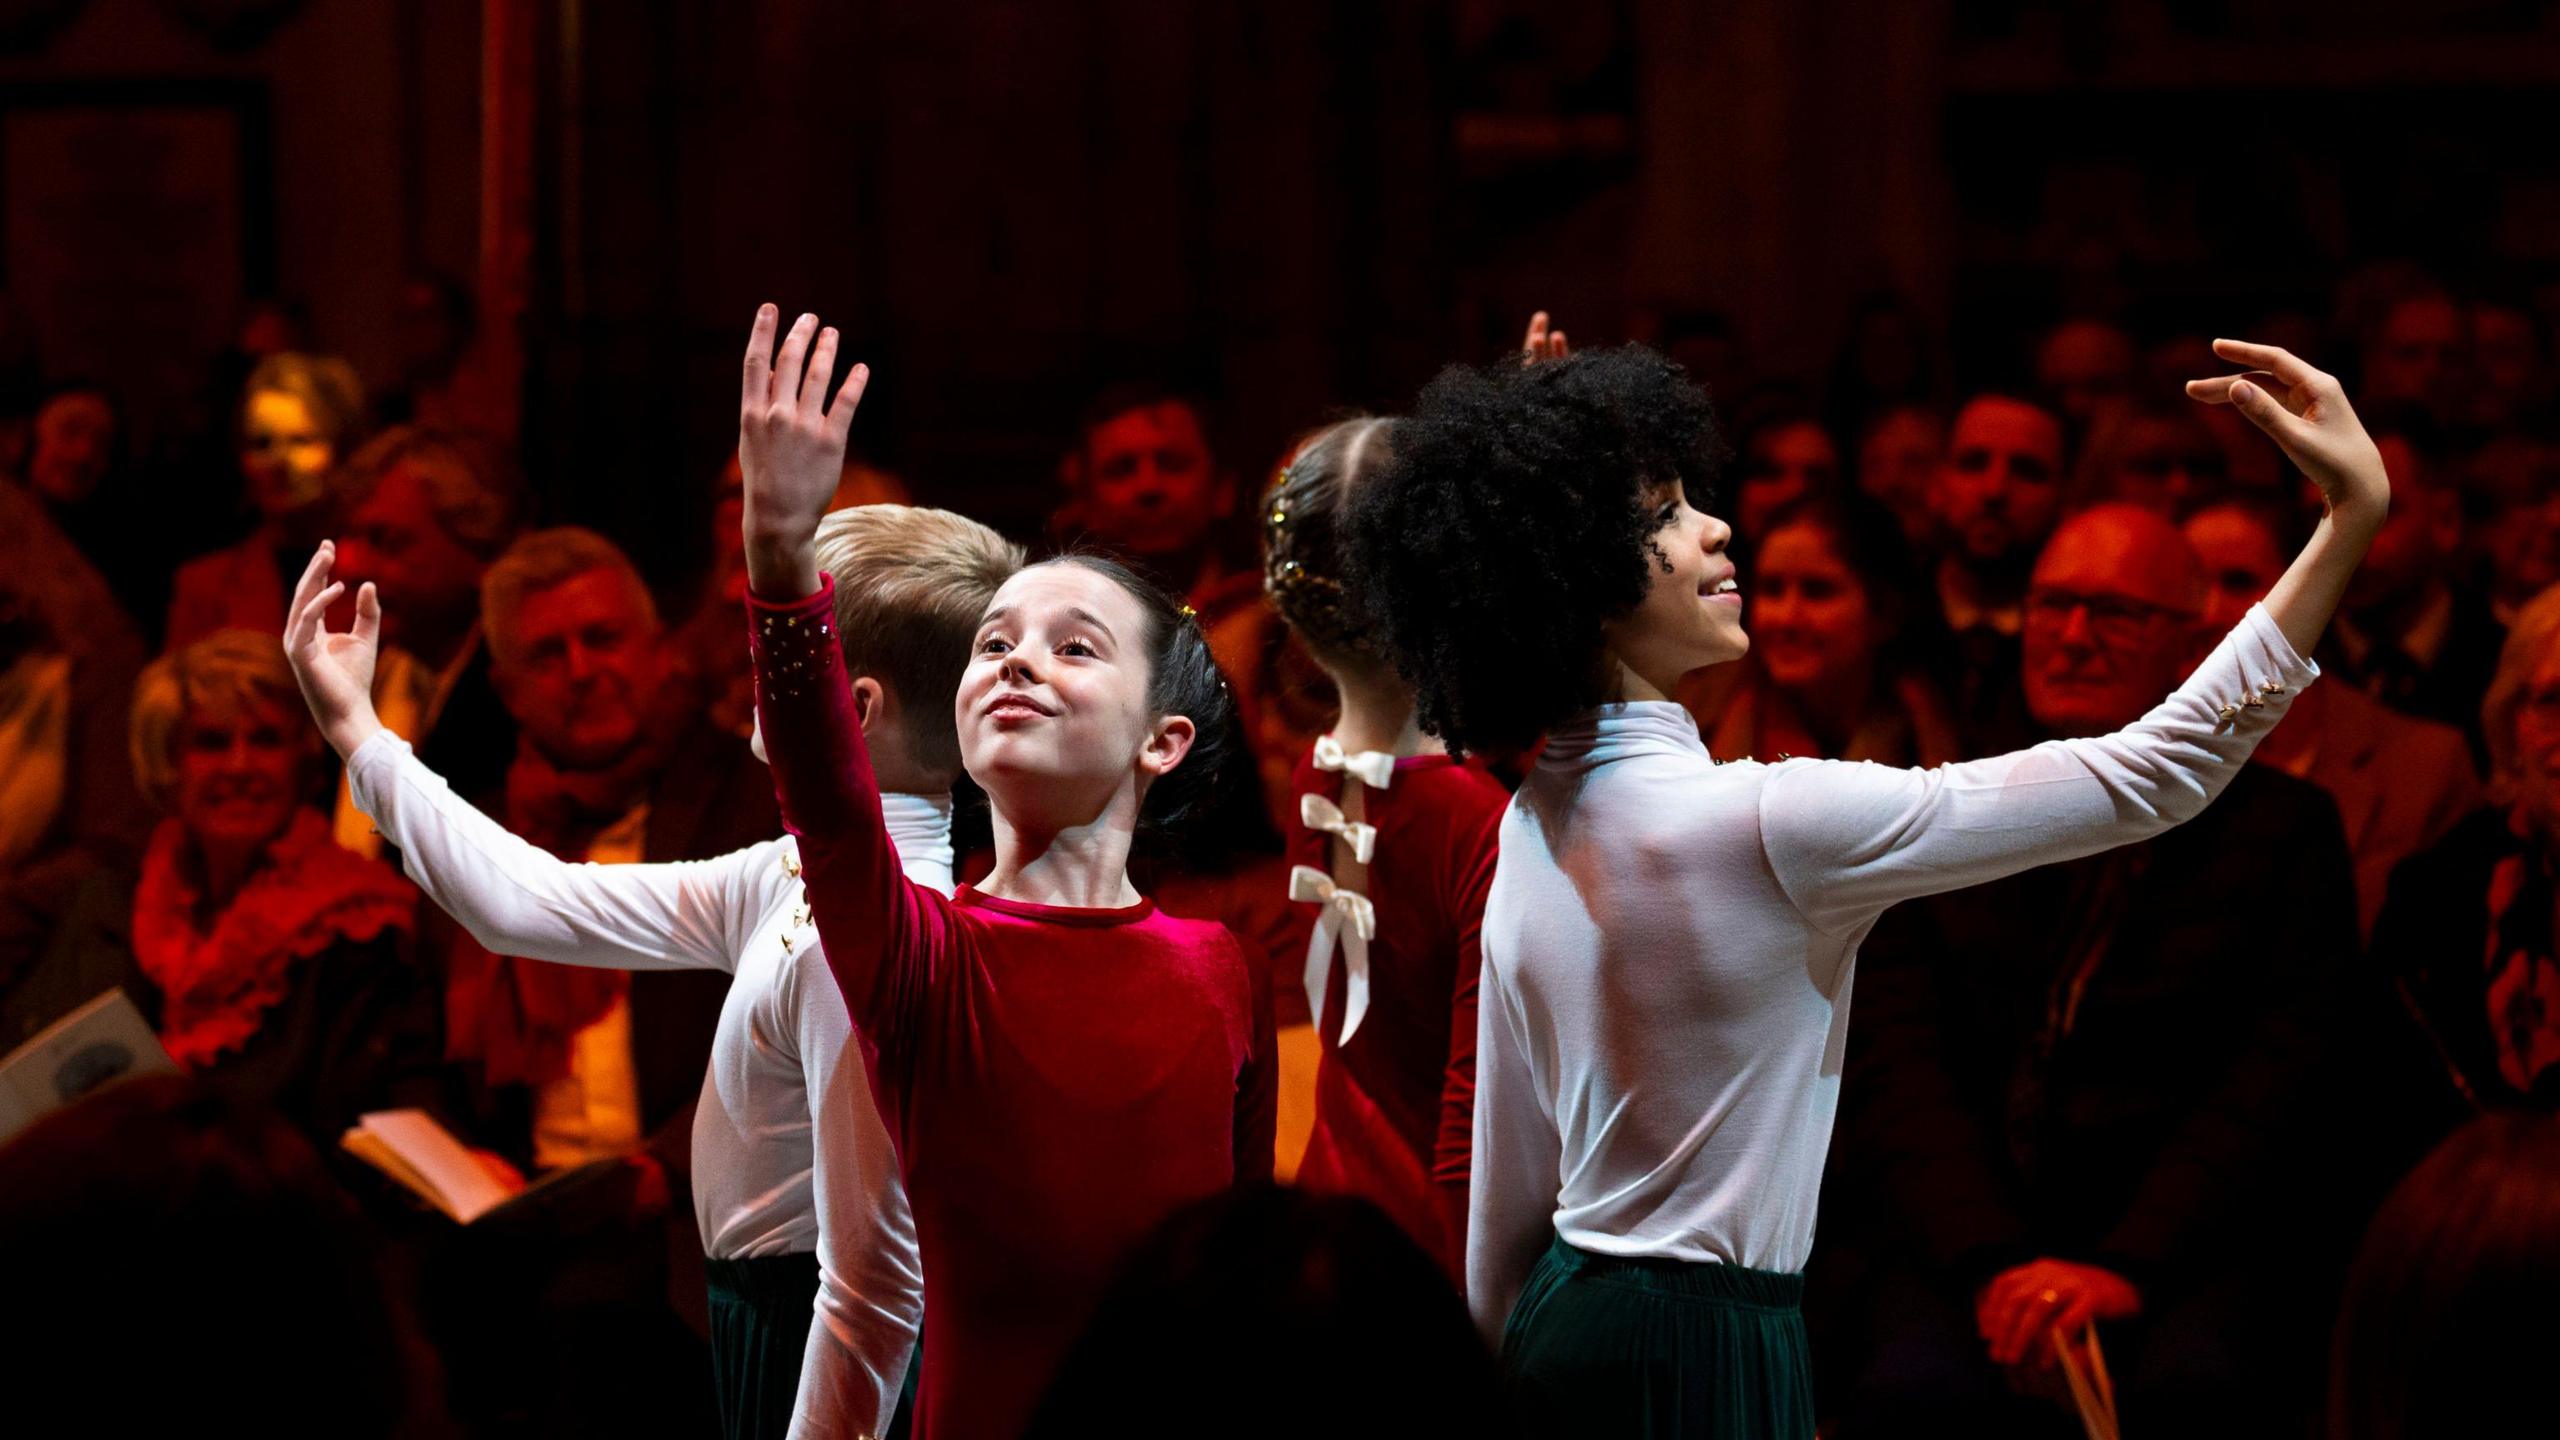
point(1692, 616)
point(1809, 613)
point(283, 453)
point(239, 773)
point(1053, 713)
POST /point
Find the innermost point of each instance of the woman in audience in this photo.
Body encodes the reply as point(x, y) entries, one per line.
point(275, 965)
point(299, 415)
point(1834, 668)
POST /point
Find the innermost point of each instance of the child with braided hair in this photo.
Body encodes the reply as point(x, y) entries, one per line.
point(1061, 1065)
point(1394, 842)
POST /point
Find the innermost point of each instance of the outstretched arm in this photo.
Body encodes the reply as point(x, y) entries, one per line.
point(1846, 841)
point(514, 898)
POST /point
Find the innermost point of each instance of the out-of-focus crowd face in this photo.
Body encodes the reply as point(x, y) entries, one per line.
point(74, 444)
point(2242, 561)
point(2417, 541)
point(1898, 460)
point(2000, 486)
point(2537, 737)
point(285, 453)
point(1812, 625)
point(2112, 616)
point(1782, 464)
point(1151, 487)
point(239, 768)
point(579, 668)
point(393, 537)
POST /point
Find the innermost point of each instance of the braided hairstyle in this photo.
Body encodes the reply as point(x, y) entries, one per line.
point(1302, 524)
point(1510, 526)
point(1183, 680)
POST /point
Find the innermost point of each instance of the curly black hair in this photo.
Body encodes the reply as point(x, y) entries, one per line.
point(1182, 679)
point(1510, 524)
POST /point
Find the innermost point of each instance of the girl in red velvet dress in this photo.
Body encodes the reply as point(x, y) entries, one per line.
point(1394, 845)
point(1061, 1065)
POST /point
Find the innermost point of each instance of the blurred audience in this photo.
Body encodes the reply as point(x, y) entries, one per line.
point(2091, 1092)
point(426, 510)
point(1996, 495)
point(299, 416)
point(1898, 456)
point(1785, 456)
point(2409, 635)
point(2155, 453)
point(2399, 783)
point(2088, 367)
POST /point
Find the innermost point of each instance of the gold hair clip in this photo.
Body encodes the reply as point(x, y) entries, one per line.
point(1190, 614)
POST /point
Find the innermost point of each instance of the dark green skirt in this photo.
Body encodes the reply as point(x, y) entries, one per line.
point(761, 1310)
point(1623, 1348)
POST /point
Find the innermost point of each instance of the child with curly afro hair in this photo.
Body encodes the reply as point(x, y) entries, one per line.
point(1668, 942)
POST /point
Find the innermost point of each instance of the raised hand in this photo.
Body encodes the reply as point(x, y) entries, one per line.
point(2306, 412)
point(334, 670)
point(791, 450)
point(1542, 343)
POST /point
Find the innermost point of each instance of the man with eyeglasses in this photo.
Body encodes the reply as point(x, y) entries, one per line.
point(2093, 1086)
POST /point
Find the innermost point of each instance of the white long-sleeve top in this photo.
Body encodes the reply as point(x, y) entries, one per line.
point(768, 1178)
point(1669, 944)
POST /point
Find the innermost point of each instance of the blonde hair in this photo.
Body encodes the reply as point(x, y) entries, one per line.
point(540, 561)
point(327, 386)
point(235, 668)
point(911, 586)
point(475, 491)
point(2529, 639)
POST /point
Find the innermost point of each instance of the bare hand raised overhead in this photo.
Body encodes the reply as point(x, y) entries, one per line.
point(335, 670)
point(791, 449)
point(1542, 343)
point(2305, 411)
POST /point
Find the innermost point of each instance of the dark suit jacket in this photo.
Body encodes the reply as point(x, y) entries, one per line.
point(2400, 783)
point(2173, 1120)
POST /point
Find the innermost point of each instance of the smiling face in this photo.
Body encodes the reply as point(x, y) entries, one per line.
point(1810, 621)
point(238, 772)
point(1054, 711)
point(1691, 616)
point(2111, 620)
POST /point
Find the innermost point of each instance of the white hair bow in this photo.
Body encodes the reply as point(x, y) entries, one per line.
point(1319, 814)
point(1347, 919)
point(1373, 768)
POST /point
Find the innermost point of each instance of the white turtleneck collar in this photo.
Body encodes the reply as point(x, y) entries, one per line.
point(920, 826)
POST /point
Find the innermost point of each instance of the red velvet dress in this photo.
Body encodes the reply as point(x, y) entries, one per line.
point(1058, 1081)
point(1395, 1108)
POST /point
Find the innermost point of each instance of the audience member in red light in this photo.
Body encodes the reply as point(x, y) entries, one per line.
point(2400, 783)
point(1898, 462)
point(299, 416)
point(2085, 1088)
point(173, 1185)
point(1061, 1065)
point(2508, 356)
point(426, 511)
point(2512, 509)
point(2154, 454)
point(2089, 368)
point(1996, 495)
point(2468, 929)
point(1833, 673)
point(277, 966)
point(2418, 353)
point(1393, 846)
point(2409, 636)
point(1786, 457)
point(2446, 1326)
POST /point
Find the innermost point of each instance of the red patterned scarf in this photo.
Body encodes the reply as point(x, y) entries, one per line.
point(305, 895)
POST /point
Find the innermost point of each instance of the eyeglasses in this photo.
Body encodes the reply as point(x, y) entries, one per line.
point(2114, 619)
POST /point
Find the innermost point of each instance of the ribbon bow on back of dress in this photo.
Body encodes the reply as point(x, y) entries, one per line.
point(1347, 919)
point(1323, 816)
point(1373, 768)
